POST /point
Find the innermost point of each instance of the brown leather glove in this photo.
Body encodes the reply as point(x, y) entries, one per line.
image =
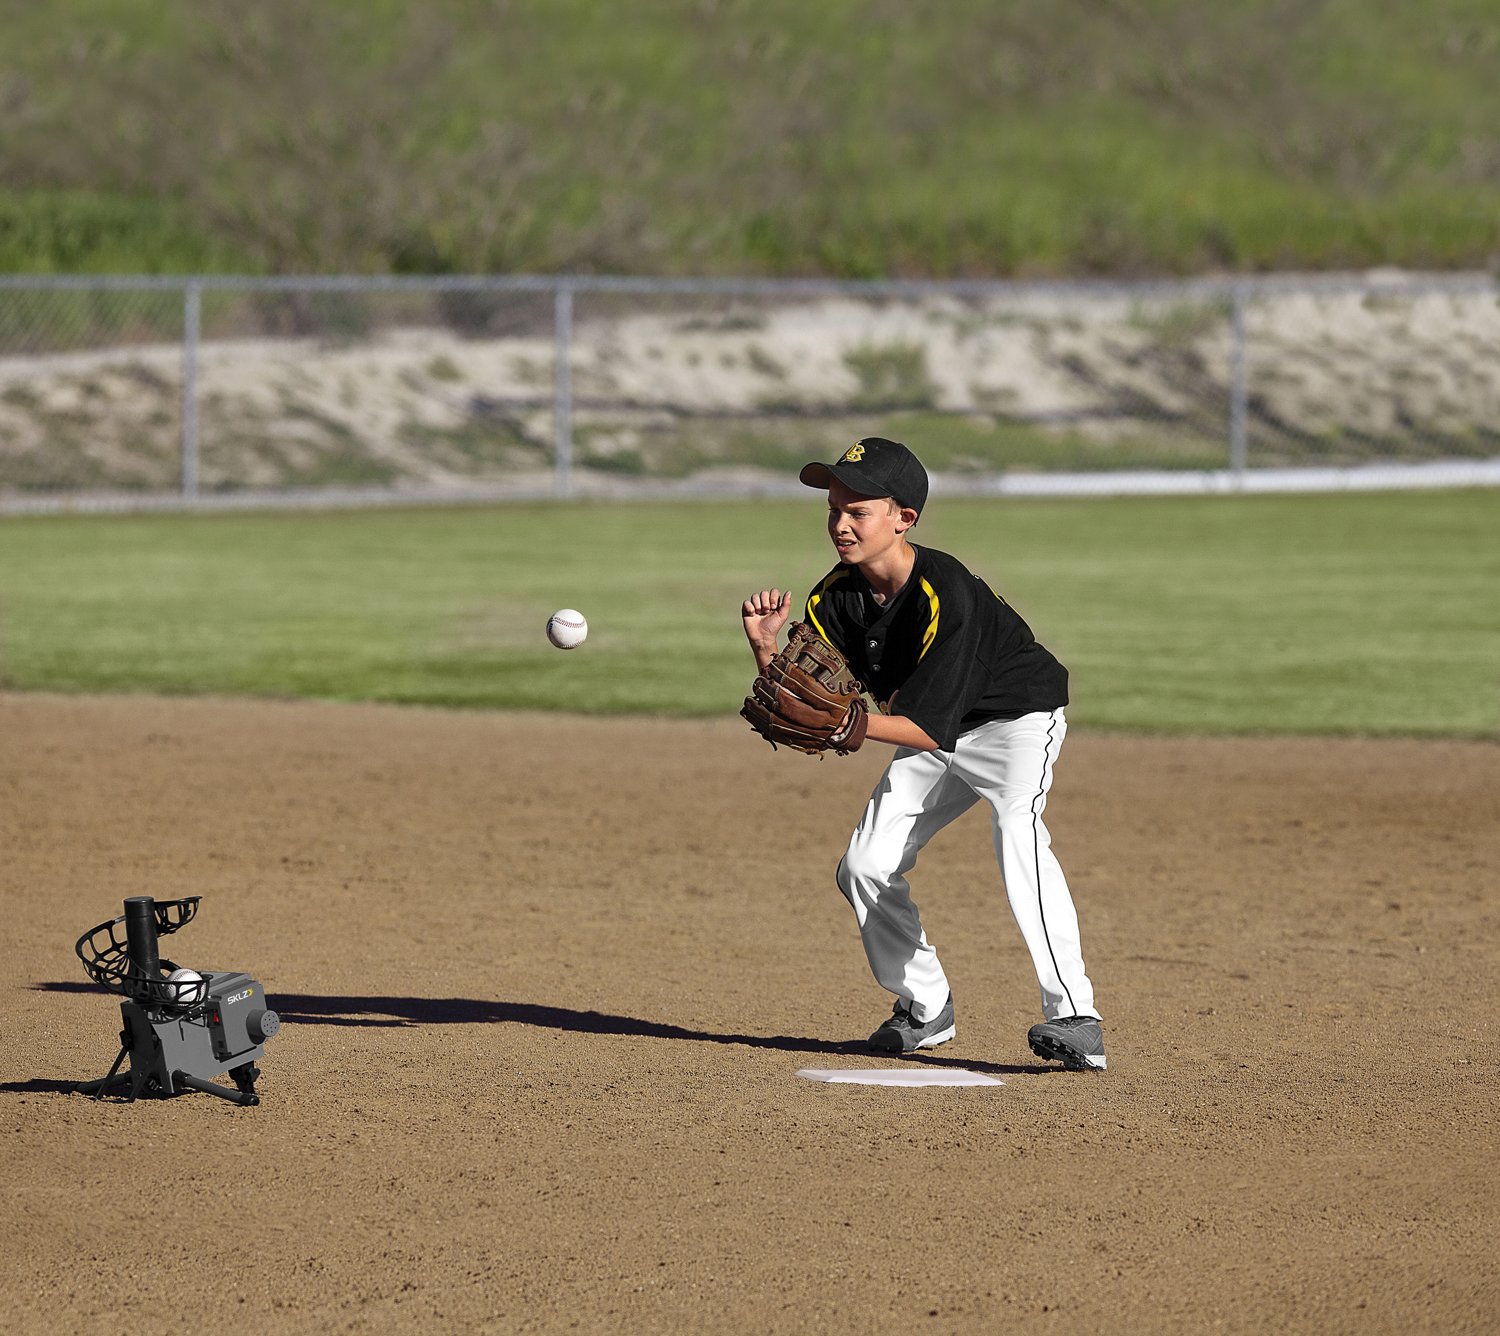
point(807, 698)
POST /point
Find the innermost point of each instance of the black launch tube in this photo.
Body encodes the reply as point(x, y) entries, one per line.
point(140, 934)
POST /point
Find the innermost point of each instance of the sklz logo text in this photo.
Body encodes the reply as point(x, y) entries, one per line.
point(853, 454)
point(238, 997)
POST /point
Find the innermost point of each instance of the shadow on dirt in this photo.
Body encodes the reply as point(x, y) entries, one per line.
point(38, 1086)
point(309, 1009)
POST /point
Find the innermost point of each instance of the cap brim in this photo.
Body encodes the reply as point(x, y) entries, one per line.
point(821, 475)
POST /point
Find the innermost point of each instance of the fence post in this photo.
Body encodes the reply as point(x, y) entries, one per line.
point(192, 319)
point(562, 387)
point(1238, 387)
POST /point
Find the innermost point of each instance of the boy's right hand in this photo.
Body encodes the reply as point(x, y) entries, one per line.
point(764, 615)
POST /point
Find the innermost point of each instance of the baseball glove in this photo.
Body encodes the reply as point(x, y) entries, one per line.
point(807, 698)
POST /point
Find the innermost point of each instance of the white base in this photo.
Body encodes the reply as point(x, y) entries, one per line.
point(900, 1076)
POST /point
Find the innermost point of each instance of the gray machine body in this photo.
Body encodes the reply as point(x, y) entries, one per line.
point(225, 1031)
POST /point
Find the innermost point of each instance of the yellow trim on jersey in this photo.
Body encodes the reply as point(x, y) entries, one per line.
point(816, 597)
point(931, 632)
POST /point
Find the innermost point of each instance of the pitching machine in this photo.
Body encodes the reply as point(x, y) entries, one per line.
point(181, 1028)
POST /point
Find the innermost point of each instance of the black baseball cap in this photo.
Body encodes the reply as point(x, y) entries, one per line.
point(875, 467)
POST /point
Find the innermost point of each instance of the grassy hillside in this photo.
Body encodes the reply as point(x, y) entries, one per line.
point(848, 137)
point(1332, 614)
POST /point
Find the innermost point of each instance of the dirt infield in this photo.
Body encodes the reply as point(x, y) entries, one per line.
point(547, 984)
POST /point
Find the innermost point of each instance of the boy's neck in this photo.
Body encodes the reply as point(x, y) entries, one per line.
point(888, 573)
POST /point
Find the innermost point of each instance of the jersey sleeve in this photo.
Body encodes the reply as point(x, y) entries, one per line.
point(949, 678)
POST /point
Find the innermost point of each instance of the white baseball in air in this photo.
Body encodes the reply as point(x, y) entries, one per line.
point(186, 990)
point(567, 628)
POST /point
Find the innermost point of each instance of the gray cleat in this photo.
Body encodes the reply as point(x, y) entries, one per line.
point(903, 1032)
point(1075, 1041)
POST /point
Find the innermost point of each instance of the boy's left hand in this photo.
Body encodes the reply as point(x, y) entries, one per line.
point(807, 698)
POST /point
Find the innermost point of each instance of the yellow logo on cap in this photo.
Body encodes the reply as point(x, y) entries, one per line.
point(854, 453)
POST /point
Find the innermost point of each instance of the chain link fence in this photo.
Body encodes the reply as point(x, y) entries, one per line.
point(126, 392)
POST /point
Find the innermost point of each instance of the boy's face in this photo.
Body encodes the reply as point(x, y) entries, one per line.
point(864, 528)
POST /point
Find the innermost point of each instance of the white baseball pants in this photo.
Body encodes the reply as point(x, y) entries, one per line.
point(1009, 764)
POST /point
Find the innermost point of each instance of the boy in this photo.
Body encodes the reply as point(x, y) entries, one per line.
point(974, 707)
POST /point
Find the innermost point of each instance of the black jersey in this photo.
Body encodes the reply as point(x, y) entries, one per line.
point(958, 653)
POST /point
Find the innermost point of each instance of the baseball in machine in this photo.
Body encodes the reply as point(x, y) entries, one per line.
point(181, 1027)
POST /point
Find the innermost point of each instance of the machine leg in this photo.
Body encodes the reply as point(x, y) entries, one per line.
point(97, 1088)
point(242, 1097)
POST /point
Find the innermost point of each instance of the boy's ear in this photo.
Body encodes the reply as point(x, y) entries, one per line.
point(906, 517)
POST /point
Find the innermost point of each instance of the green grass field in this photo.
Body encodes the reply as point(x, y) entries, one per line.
point(1339, 614)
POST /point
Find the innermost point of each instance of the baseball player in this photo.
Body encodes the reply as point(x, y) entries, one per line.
point(974, 708)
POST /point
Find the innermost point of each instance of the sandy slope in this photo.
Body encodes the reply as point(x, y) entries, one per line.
point(1403, 372)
